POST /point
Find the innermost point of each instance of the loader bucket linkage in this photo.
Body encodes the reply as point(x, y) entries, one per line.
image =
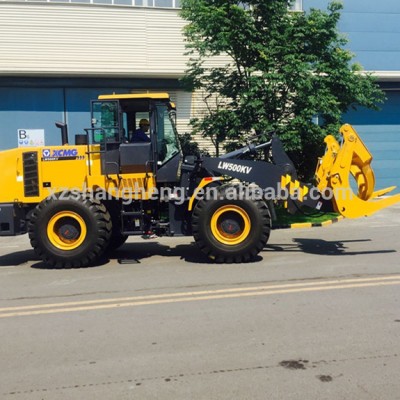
point(333, 172)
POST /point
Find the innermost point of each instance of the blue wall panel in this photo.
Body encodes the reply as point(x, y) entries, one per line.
point(373, 30)
point(359, 6)
point(40, 108)
point(29, 108)
point(380, 131)
point(369, 22)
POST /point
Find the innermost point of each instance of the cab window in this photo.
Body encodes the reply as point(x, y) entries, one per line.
point(105, 121)
point(167, 138)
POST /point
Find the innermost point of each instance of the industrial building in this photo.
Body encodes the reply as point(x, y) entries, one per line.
point(55, 56)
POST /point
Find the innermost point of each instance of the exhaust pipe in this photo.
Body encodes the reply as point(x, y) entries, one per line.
point(64, 132)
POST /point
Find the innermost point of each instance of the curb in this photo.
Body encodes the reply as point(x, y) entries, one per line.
point(308, 224)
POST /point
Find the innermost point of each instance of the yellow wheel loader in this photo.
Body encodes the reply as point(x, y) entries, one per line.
point(79, 200)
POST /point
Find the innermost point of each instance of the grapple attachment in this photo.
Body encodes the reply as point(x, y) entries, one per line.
point(335, 168)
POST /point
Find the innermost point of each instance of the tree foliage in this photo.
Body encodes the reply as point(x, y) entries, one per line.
point(285, 70)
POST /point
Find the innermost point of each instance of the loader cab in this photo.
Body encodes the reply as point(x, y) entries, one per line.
point(115, 118)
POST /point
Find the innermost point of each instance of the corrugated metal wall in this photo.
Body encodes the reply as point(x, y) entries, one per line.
point(380, 131)
point(86, 40)
point(372, 28)
point(65, 40)
point(93, 40)
point(70, 39)
point(40, 108)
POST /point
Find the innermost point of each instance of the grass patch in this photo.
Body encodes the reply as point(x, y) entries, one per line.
point(309, 216)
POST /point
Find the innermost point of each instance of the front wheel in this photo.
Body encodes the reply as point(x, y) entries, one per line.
point(231, 230)
point(69, 232)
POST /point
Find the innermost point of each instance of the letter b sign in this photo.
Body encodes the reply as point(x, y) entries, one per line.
point(22, 134)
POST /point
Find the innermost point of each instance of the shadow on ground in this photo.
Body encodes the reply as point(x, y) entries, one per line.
point(18, 258)
point(324, 247)
point(131, 253)
point(187, 252)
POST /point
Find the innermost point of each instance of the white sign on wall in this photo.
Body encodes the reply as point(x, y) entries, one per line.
point(30, 137)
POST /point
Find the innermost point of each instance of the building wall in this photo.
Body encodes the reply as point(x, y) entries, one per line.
point(50, 39)
point(380, 130)
point(372, 28)
point(55, 57)
point(40, 107)
point(373, 31)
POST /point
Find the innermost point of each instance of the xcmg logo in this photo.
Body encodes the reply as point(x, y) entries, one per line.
point(59, 153)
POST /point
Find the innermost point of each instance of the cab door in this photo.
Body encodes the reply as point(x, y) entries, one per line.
point(166, 141)
point(106, 130)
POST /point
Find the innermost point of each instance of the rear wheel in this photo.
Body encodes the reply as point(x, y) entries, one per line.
point(69, 231)
point(231, 230)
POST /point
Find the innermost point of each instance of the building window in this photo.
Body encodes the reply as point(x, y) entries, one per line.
point(297, 5)
point(123, 2)
point(163, 3)
point(137, 3)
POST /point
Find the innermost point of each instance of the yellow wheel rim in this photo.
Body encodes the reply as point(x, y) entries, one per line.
point(230, 225)
point(66, 230)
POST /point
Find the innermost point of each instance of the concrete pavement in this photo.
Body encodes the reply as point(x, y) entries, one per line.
point(316, 316)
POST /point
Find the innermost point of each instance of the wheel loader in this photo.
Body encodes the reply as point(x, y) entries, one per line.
point(78, 201)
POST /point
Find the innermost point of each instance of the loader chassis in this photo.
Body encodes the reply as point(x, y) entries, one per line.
point(79, 201)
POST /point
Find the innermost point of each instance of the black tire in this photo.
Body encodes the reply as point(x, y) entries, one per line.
point(231, 230)
point(117, 239)
point(69, 231)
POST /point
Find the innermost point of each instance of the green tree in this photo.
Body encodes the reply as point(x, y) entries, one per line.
point(188, 145)
point(285, 70)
